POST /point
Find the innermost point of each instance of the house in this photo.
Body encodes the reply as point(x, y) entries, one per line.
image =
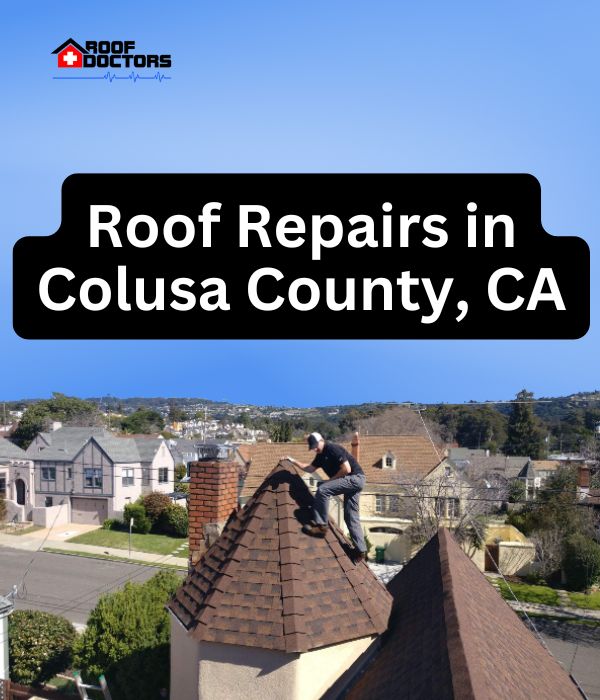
point(268, 612)
point(394, 466)
point(94, 473)
point(70, 54)
point(16, 480)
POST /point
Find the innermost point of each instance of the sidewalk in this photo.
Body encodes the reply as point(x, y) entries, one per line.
point(55, 539)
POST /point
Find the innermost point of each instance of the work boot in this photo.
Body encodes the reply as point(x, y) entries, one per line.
point(356, 555)
point(314, 530)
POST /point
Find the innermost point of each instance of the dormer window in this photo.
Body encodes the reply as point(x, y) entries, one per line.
point(388, 460)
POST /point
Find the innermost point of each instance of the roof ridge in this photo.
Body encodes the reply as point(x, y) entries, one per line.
point(462, 682)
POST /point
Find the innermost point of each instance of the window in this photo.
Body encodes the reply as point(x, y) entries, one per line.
point(447, 507)
point(2, 485)
point(92, 478)
point(128, 477)
point(387, 504)
point(48, 502)
point(69, 472)
point(389, 461)
point(163, 475)
point(49, 473)
point(394, 504)
point(453, 507)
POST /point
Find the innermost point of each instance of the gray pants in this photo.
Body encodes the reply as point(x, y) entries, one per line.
point(350, 487)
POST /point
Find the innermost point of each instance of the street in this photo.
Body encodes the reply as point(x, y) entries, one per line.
point(64, 585)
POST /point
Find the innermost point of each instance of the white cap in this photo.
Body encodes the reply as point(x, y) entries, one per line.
point(313, 440)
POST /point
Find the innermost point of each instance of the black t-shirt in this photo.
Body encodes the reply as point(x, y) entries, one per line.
point(332, 457)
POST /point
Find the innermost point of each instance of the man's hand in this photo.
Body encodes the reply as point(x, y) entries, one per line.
point(344, 470)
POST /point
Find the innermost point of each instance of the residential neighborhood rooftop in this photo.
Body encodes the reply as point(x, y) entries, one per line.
point(265, 584)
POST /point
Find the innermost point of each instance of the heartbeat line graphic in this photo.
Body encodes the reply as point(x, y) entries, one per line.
point(133, 76)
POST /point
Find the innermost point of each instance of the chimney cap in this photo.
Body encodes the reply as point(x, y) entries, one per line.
point(213, 451)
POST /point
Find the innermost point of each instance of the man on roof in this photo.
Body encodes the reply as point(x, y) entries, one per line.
point(345, 478)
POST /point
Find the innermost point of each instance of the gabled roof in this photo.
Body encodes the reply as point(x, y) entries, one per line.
point(71, 42)
point(266, 584)
point(8, 450)
point(119, 450)
point(528, 472)
point(452, 637)
point(147, 447)
point(415, 458)
point(64, 443)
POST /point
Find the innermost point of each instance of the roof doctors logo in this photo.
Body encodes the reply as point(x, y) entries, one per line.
point(110, 56)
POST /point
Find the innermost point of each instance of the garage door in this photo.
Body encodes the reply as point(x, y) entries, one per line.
point(89, 511)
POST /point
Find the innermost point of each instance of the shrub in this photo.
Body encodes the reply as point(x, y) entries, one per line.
point(39, 645)
point(2, 509)
point(174, 521)
point(127, 639)
point(180, 471)
point(155, 504)
point(581, 562)
point(141, 522)
point(112, 524)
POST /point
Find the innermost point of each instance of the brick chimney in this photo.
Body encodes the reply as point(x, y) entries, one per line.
point(355, 444)
point(213, 496)
point(583, 481)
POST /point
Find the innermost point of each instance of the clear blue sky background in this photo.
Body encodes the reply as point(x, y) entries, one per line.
point(300, 87)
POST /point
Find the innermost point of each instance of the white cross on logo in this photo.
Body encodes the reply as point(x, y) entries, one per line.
point(70, 58)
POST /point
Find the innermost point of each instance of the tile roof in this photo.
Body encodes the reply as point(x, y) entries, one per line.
point(266, 584)
point(8, 450)
point(452, 637)
point(415, 457)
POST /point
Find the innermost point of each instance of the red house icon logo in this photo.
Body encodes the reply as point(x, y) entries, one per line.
point(70, 54)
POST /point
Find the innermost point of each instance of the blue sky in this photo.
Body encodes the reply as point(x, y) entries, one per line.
point(305, 87)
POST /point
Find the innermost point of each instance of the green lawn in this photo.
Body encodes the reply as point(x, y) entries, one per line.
point(155, 544)
point(590, 602)
point(530, 594)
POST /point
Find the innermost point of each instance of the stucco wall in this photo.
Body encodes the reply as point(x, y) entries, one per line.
point(209, 671)
point(319, 669)
point(124, 494)
point(52, 516)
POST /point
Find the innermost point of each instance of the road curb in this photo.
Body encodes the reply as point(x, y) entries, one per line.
point(108, 557)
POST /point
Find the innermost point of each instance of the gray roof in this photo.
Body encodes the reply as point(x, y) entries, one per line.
point(64, 443)
point(8, 450)
point(476, 466)
point(528, 472)
point(183, 451)
point(119, 449)
point(147, 447)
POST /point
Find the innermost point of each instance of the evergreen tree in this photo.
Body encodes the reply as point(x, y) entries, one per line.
point(523, 437)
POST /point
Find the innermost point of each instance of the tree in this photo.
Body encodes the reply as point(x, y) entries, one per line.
point(581, 562)
point(141, 522)
point(281, 432)
point(155, 504)
point(127, 639)
point(176, 414)
point(40, 645)
point(144, 420)
point(523, 434)
point(69, 410)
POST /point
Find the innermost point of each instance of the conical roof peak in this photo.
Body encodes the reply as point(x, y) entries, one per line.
point(265, 583)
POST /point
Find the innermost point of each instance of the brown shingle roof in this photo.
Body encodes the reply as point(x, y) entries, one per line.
point(452, 637)
point(266, 584)
point(415, 457)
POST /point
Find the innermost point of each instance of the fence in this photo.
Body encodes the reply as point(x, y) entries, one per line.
point(9, 690)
